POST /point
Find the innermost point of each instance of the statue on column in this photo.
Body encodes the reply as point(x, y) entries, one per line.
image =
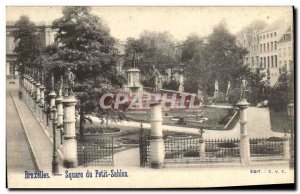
point(243, 89)
point(134, 58)
point(156, 81)
point(181, 80)
point(69, 80)
point(216, 86)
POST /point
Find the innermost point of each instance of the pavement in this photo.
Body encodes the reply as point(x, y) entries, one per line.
point(18, 152)
point(40, 143)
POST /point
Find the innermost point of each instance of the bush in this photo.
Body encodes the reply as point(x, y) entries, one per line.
point(227, 145)
point(191, 154)
point(172, 85)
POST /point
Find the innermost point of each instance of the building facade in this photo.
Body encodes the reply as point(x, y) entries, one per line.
point(270, 50)
point(48, 35)
point(286, 52)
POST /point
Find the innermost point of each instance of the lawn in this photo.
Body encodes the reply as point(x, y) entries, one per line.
point(214, 115)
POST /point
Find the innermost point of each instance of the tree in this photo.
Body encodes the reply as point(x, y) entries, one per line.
point(28, 41)
point(191, 47)
point(29, 45)
point(220, 59)
point(254, 27)
point(154, 49)
point(282, 92)
point(84, 44)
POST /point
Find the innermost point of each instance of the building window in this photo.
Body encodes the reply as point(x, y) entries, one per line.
point(274, 33)
point(261, 62)
point(290, 51)
point(291, 65)
point(275, 46)
point(267, 35)
point(257, 60)
point(271, 34)
point(268, 48)
point(285, 65)
point(252, 61)
point(265, 62)
point(260, 47)
point(263, 36)
point(264, 47)
point(271, 46)
point(279, 52)
point(272, 61)
point(268, 62)
point(275, 60)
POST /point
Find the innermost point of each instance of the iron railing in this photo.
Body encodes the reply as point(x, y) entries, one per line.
point(94, 150)
point(260, 147)
point(144, 144)
point(220, 150)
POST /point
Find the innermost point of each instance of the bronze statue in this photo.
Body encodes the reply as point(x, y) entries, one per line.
point(69, 80)
point(243, 89)
point(156, 81)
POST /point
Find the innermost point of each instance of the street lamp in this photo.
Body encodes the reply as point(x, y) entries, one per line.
point(290, 111)
point(55, 169)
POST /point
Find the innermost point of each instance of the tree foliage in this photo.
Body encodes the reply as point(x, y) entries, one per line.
point(220, 59)
point(84, 44)
point(154, 49)
point(29, 44)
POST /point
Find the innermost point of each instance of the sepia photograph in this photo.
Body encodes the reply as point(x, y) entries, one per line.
point(148, 97)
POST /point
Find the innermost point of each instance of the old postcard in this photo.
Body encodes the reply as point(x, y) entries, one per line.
point(149, 97)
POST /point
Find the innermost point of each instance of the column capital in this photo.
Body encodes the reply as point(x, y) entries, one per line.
point(243, 104)
point(69, 101)
point(52, 94)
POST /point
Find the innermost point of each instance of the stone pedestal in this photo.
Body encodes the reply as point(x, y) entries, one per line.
point(244, 139)
point(202, 149)
point(157, 152)
point(70, 143)
point(286, 149)
point(37, 98)
point(181, 89)
point(60, 113)
point(52, 96)
point(42, 102)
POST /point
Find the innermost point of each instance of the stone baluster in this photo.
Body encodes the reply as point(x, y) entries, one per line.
point(244, 139)
point(157, 153)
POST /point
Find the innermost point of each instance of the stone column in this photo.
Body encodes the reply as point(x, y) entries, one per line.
point(60, 113)
point(70, 142)
point(157, 152)
point(286, 149)
point(42, 102)
point(37, 99)
point(24, 86)
point(202, 149)
point(244, 139)
point(31, 91)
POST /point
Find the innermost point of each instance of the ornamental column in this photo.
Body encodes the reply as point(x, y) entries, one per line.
point(37, 98)
point(157, 152)
point(69, 119)
point(244, 139)
point(42, 98)
point(60, 112)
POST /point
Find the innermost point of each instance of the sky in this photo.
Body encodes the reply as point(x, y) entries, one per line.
point(127, 22)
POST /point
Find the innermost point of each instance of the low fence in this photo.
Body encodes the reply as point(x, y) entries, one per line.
point(95, 150)
point(266, 147)
point(187, 150)
point(43, 115)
